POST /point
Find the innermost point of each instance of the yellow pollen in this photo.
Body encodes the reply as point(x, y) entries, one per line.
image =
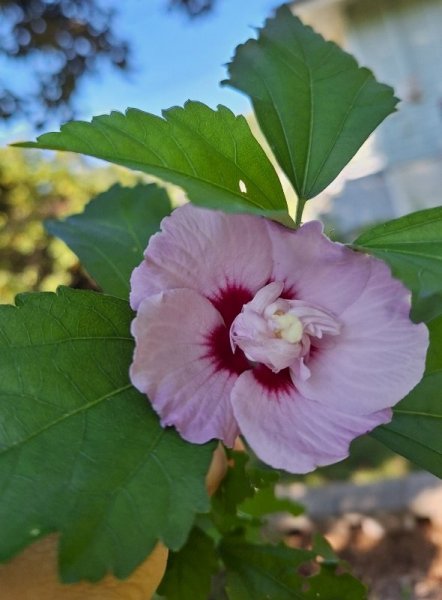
point(289, 327)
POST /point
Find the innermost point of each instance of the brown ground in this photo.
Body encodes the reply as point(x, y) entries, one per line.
point(404, 564)
point(398, 557)
point(389, 531)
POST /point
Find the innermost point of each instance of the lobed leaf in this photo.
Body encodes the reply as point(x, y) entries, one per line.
point(211, 154)
point(255, 572)
point(313, 102)
point(190, 570)
point(110, 236)
point(412, 247)
point(81, 451)
point(258, 572)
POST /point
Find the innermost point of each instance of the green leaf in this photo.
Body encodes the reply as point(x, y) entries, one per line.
point(328, 585)
point(81, 451)
point(412, 247)
point(236, 485)
point(244, 495)
point(263, 572)
point(323, 548)
point(211, 154)
point(265, 502)
point(110, 236)
point(233, 489)
point(189, 571)
point(259, 572)
point(433, 362)
point(313, 103)
point(416, 428)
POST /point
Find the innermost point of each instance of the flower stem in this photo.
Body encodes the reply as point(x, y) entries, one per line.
point(299, 211)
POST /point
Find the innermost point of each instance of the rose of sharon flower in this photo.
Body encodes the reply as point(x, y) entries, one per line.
point(246, 327)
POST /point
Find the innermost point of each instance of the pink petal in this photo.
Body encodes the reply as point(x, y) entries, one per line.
point(320, 272)
point(290, 432)
point(379, 355)
point(206, 251)
point(172, 366)
point(267, 295)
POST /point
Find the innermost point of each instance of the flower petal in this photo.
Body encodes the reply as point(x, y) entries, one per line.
point(320, 272)
point(171, 365)
point(206, 251)
point(379, 355)
point(292, 433)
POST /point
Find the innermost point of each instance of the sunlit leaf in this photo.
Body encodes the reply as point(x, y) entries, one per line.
point(313, 103)
point(211, 154)
point(81, 451)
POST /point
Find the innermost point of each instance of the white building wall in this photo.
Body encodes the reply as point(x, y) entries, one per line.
point(401, 41)
point(400, 167)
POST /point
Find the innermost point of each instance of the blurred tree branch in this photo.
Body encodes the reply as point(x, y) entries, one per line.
point(54, 44)
point(193, 7)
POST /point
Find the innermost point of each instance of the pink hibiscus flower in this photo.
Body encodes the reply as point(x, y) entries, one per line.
point(246, 327)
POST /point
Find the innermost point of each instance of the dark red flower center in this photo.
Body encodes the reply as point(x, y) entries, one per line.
point(273, 382)
point(229, 302)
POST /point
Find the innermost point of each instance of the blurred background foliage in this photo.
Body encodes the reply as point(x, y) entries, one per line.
point(52, 45)
point(34, 187)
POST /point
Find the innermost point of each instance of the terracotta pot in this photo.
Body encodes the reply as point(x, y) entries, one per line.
point(32, 575)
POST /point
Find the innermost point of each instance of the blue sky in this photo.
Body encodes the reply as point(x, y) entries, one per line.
point(174, 59)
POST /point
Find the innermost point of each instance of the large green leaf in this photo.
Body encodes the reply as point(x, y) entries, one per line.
point(189, 571)
point(260, 572)
point(110, 236)
point(412, 246)
point(211, 154)
point(81, 451)
point(416, 428)
point(314, 104)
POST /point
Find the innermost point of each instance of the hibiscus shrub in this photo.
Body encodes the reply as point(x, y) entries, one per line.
point(239, 322)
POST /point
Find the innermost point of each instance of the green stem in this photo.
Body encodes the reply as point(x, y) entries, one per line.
point(299, 211)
